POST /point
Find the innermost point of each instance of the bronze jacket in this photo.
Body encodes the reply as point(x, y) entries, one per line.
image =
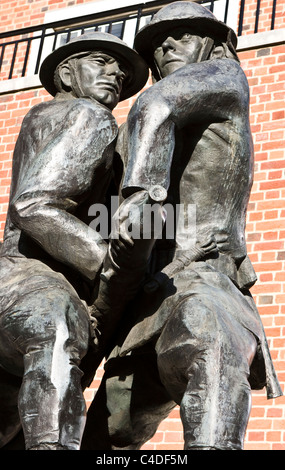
point(62, 164)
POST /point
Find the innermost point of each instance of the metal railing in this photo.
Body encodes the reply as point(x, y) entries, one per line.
point(257, 16)
point(22, 50)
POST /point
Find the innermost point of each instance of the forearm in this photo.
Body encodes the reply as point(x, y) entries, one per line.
point(127, 259)
point(151, 141)
point(62, 236)
point(196, 94)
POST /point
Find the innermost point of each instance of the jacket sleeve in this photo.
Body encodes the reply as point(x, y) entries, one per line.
point(52, 184)
point(210, 91)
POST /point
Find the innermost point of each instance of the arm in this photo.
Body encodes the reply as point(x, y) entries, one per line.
point(126, 262)
point(60, 234)
point(196, 253)
point(211, 91)
point(52, 183)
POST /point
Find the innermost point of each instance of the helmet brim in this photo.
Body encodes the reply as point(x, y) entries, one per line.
point(138, 71)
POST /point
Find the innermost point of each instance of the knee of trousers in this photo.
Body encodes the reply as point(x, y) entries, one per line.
point(197, 335)
point(47, 320)
point(192, 323)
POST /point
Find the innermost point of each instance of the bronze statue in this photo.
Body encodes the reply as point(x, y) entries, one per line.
point(51, 259)
point(192, 336)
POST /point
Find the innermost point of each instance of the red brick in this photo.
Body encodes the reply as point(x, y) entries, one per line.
point(273, 436)
point(261, 267)
point(277, 68)
point(279, 424)
point(272, 164)
point(159, 437)
point(166, 447)
point(148, 446)
point(256, 436)
point(171, 425)
point(256, 446)
point(278, 447)
point(266, 288)
point(172, 436)
point(257, 412)
point(266, 277)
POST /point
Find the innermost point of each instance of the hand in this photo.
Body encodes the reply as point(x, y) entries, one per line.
point(209, 246)
point(121, 237)
point(133, 235)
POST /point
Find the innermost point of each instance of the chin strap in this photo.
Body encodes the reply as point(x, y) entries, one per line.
point(206, 50)
point(75, 78)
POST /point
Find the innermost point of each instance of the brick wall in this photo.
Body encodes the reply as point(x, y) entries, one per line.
point(17, 14)
point(264, 67)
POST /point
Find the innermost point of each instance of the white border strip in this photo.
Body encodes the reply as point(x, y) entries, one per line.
point(17, 84)
point(258, 40)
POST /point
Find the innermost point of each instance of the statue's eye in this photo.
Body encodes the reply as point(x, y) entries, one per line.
point(186, 37)
point(101, 61)
point(98, 60)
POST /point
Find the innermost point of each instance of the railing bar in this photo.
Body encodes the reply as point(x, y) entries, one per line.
point(68, 35)
point(26, 57)
point(54, 41)
point(226, 11)
point(273, 14)
point(2, 54)
point(139, 15)
point(13, 61)
point(40, 51)
point(241, 14)
point(110, 28)
point(123, 29)
point(257, 16)
point(90, 25)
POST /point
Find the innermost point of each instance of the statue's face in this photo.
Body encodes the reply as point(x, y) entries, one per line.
point(176, 49)
point(100, 77)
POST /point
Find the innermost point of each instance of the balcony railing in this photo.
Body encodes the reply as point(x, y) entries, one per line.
point(23, 50)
